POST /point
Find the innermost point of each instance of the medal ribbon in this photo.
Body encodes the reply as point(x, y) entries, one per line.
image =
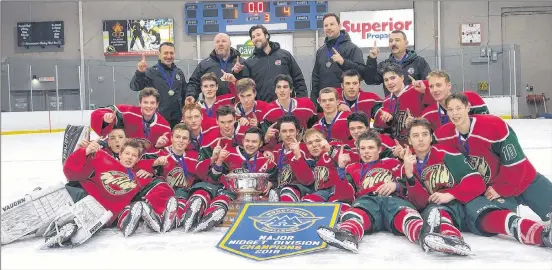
point(366, 169)
point(181, 161)
point(223, 63)
point(281, 157)
point(146, 126)
point(393, 105)
point(252, 168)
point(330, 52)
point(289, 112)
point(130, 175)
point(328, 129)
point(421, 165)
point(443, 118)
point(242, 111)
point(169, 81)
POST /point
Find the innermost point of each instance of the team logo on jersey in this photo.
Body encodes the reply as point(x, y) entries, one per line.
point(480, 165)
point(375, 177)
point(411, 71)
point(177, 178)
point(177, 77)
point(117, 183)
point(321, 175)
point(278, 62)
point(437, 177)
point(284, 176)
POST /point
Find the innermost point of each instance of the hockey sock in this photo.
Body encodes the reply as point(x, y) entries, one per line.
point(218, 202)
point(313, 197)
point(289, 194)
point(409, 222)
point(506, 222)
point(202, 194)
point(447, 227)
point(355, 221)
point(181, 208)
point(158, 195)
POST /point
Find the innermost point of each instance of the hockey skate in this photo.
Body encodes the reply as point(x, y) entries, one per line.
point(432, 240)
point(338, 238)
point(129, 218)
point(152, 219)
point(61, 236)
point(193, 213)
point(211, 219)
point(547, 232)
point(169, 215)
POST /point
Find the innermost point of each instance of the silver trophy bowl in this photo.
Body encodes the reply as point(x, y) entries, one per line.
point(248, 186)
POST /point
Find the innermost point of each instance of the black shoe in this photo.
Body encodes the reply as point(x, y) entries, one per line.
point(338, 238)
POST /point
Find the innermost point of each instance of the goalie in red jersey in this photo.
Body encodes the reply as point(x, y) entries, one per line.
point(439, 87)
point(138, 121)
point(380, 200)
point(490, 145)
point(117, 185)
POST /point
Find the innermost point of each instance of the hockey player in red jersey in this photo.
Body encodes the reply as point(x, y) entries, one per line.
point(249, 112)
point(194, 119)
point(302, 108)
point(440, 182)
point(116, 185)
point(491, 146)
point(211, 102)
point(138, 121)
point(379, 203)
point(294, 178)
point(176, 165)
point(404, 103)
point(355, 99)
point(324, 160)
point(439, 87)
point(358, 123)
point(333, 123)
point(226, 131)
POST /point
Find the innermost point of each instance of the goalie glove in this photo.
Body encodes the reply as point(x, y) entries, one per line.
point(76, 224)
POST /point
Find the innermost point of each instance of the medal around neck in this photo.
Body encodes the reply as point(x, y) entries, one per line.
point(171, 92)
point(328, 64)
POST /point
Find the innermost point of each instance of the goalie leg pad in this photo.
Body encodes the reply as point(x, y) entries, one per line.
point(87, 216)
point(33, 212)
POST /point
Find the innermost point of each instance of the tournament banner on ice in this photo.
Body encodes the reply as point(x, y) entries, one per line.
point(245, 46)
point(365, 27)
point(264, 231)
point(136, 37)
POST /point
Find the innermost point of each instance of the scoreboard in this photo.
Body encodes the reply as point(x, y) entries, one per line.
point(237, 17)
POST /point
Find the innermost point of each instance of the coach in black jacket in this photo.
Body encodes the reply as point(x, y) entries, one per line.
point(167, 78)
point(267, 62)
point(223, 57)
point(337, 55)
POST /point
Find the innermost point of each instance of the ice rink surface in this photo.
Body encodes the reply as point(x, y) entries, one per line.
point(29, 161)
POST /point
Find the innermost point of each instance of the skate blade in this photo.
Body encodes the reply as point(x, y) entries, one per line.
point(329, 237)
point(436, 243)
point(216, 216)
point(191, 220)
point(136, 212)
point(169, 215)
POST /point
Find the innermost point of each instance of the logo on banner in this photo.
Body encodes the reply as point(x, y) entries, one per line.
point(246, 49)
point(264, 231)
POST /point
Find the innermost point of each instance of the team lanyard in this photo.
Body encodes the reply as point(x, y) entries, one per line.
point(181, 161)
point(366, 169)
point(421, 165)
point(169, 81)
point(130, 175)
point(463, 144)
point(252, 168)
point(328, 130)
point(330, 52)
point(289, 112)
point(242, 111)
point(281, 157)
point(443, 118)
point(393, 105)
point(146, 126)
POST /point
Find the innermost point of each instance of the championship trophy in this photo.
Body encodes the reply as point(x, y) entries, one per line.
point(248, 188)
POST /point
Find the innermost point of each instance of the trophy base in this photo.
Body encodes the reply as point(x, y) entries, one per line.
point(235, 206)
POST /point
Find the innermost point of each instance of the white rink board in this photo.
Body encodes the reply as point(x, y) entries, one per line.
point(21, 172)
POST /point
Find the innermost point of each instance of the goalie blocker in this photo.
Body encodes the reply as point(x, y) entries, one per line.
point(71, 138)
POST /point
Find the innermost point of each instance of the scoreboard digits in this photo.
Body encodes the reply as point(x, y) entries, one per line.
point(237, 17)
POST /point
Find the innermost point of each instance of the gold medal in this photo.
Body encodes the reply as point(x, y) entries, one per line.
point(171, 92)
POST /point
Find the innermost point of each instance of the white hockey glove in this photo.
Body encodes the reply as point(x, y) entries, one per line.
point(77, 224)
